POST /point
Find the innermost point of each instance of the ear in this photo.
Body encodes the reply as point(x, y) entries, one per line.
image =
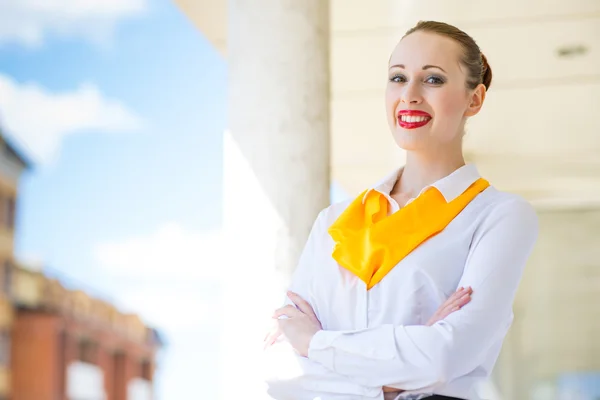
point(477, 99)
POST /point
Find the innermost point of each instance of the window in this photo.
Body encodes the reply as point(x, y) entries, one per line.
point(4, 348)
point(146, 370)
point(3, 210)
point(62, 361)
point(87, 351)
point(7, 276)
point(10, 212)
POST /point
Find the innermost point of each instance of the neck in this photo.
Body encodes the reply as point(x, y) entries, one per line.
point(422, 170)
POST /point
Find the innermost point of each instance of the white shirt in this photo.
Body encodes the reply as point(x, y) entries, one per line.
point(375, 338)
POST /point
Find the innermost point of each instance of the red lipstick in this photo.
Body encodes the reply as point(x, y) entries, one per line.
point(412, 119)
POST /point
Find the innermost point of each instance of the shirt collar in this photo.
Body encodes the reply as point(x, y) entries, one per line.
point(451, 186)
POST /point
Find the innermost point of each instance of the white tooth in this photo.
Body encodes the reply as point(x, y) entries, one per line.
point(420, 119)
point(412, 119)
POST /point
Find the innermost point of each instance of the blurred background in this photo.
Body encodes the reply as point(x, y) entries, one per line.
point(161, 163)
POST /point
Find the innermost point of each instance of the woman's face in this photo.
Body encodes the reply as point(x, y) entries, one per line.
point(427, 100)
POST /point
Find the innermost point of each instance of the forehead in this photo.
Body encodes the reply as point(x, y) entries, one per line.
point(423, 48)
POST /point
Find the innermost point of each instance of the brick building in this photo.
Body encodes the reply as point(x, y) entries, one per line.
point(59, 344)
point(68, 345)
point(11, 167)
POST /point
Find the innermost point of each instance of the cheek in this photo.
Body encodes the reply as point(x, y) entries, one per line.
point(391, 103)
point(450, 105)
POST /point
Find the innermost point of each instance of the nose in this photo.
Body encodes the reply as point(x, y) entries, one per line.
point(412, 93)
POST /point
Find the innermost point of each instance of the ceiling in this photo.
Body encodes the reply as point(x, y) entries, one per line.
point(535, 135)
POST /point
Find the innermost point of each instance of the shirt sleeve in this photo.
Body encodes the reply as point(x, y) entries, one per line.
point(289, 375)
point(303, 273)
point(422, 357)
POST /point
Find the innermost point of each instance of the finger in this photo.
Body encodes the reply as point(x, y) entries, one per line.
point(460, 302)
point(268, 342)
point(464, 299)
point(454, 296)
point(288, 311)
point(272, 338)
point(456, 305)
point(302, 304)
point(271, 331)
point(457, 296)
point(450, 305)
point(460, 292)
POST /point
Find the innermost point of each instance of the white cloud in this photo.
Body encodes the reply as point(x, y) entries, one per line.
point(39, 119)
point(164, 271)
point(170, 251)
point(160, 306)
point(27, 21)
point(31, 261)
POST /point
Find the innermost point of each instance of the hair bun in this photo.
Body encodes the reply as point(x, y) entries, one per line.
point(486, 73)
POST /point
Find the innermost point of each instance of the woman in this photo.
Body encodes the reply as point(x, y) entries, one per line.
point(375, 270)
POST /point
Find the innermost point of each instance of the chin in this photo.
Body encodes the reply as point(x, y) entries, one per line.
point(410, 146)
point(409, 141)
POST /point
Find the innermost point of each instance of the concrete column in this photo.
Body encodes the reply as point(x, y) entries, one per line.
point(276, 165)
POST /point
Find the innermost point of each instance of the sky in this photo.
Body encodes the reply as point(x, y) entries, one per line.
point(120, 106)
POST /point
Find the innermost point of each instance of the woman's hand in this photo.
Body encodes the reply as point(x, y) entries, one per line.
point(454, 303)
point(299, 324)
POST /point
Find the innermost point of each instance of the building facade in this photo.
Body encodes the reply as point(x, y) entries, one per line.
point(61, 344)
point(67, 345)
point(11, 167)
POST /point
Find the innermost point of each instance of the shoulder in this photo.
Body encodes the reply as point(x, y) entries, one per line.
point(328, 216)
point(507, 202)
point(331, 213)
point(508, 209)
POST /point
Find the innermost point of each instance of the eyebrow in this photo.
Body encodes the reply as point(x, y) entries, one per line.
point(425, 67)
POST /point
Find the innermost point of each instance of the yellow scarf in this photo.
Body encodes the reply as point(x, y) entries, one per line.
point(369, 243)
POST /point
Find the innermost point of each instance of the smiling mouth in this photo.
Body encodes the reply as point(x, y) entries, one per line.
point(409, 120)
point(413, 118)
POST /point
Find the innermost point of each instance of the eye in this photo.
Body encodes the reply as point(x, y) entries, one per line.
point(435, 80)
point(398, 78)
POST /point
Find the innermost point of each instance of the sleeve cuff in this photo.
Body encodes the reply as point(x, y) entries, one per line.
point(320, 349)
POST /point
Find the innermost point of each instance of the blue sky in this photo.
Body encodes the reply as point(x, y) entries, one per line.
point(123, 117)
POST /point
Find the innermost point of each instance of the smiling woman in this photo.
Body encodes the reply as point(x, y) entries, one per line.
point(449, 76)
point(380, 303)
